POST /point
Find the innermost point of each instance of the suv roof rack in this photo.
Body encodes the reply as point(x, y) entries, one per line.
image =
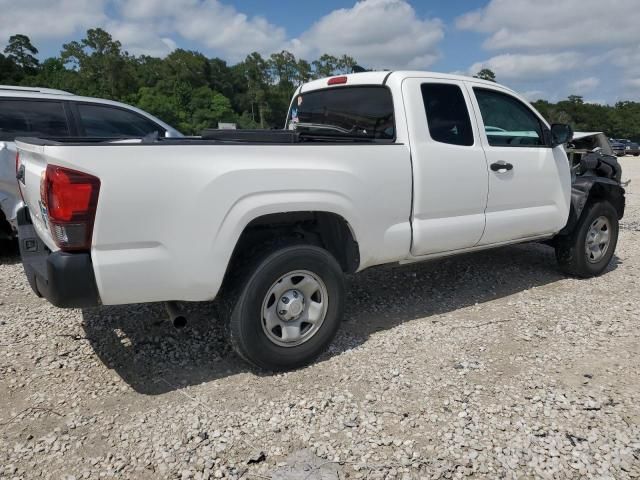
point(50, 91)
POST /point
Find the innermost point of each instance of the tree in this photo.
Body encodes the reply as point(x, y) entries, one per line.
point(324, 66)
point(105, 70)
point(187, 66)
point(303, 72)
point(255, 73)
point(9, 72)
point(53, 74)
point(23, 53)
point(486, 74)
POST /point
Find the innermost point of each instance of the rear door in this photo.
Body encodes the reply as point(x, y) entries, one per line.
point(449, 166)
point(529, 182)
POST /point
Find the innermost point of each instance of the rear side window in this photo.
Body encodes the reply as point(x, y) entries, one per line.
point(19, 118)
point(105, 121)
point(507, 121)
point(447, 114)
point(345, 111)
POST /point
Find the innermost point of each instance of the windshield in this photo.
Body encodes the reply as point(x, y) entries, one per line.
point(346, 111)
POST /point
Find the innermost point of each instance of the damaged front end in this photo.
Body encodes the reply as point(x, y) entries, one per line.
point(595, 175)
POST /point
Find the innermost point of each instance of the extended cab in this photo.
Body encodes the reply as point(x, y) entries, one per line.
point(372, 168)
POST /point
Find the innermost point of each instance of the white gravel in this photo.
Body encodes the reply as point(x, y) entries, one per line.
point(489, 365)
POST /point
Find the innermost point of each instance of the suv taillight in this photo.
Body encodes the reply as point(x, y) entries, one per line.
point(71, 199)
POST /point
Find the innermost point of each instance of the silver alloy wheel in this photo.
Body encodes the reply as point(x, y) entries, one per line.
point(598, 239)
point(294, 308)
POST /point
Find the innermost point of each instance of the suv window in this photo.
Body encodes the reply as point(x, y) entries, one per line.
point(32, 118)
point(106, 121)
point(447, 114)
point(507, 121)
point(345, 111)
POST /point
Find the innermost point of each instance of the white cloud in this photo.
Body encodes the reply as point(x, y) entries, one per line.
point(563, 47)
point(584, 85)
point(152, 27)
point(377, 33)
point(210, 23)
point(138, 39)
point(49, 19)
point(633, 83)
point(539, 24)
point(529, 66)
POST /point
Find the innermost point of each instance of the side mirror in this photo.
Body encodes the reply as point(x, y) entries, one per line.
point(560, 134)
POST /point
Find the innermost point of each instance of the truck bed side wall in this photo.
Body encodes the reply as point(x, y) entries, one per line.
point(169, 217)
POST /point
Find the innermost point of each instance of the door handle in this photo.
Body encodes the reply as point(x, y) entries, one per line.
point(501, 167)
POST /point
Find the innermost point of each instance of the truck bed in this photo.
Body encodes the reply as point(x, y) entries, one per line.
point(170, 211)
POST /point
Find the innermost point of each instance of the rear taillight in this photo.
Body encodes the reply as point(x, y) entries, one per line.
point(71, 199)
point(17, 162)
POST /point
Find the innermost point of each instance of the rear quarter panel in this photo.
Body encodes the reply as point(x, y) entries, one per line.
point(169, 216)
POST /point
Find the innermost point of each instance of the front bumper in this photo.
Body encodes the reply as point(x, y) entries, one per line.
point(64, 279)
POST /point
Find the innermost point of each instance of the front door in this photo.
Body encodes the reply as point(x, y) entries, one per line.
point(529, 182)
point(449, 167)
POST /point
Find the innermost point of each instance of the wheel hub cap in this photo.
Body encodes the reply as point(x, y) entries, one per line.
point(598, 239)
point(294, 308)
point(291, 305)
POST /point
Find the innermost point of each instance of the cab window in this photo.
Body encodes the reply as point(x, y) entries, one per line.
point(507, 121)
point(447, 114)
point(359, 111)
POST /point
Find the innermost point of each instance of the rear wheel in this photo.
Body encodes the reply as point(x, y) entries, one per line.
point(591, 245)
point(286, 310)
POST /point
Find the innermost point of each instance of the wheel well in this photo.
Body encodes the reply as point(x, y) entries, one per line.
point(614, 194)
point(588, 191)
point(324, 229)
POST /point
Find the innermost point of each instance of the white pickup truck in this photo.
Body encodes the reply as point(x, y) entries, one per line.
point(373, 168)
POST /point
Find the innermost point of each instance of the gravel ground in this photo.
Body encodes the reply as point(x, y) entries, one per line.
point(490, 365)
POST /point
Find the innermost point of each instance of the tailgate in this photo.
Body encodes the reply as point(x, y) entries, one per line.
point(31, 169)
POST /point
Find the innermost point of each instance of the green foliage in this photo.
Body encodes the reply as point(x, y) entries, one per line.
point(192, 92)
point(185, 89)
point(104, 69)
point(486, 74)
point(619, 121)
point(22, 53)
point(10, 73)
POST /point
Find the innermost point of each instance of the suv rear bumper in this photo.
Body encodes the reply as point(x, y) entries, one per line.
point(64, 279)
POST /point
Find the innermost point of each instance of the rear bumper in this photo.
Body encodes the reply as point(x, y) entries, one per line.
point(64, 279)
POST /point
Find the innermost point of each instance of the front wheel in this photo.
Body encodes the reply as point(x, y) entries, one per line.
point(288, 308)
point(590, 247)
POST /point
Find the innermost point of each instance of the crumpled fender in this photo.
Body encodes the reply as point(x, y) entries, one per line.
point(590, 188)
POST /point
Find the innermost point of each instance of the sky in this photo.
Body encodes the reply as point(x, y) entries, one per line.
point(542, 48)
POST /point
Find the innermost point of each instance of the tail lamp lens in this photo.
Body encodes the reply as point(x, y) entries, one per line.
point(71, 199)
point(337, 80)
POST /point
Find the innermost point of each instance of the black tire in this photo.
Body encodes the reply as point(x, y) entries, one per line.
point(244, 303)
point(571, 251)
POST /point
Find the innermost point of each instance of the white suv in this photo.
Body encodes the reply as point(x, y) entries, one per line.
point(44, 112)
